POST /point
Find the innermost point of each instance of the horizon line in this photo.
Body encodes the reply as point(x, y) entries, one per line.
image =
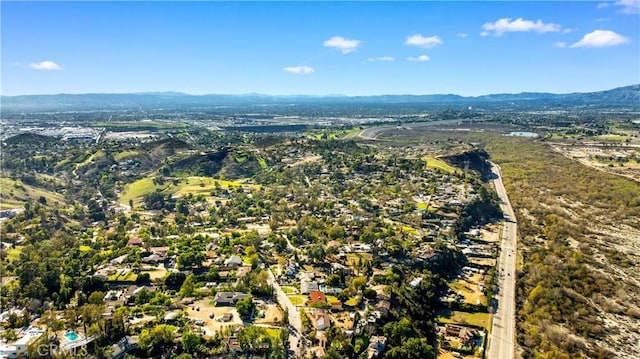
point(308, 95)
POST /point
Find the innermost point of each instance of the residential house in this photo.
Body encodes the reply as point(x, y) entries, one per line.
point(316, 296)
point(19, 347)
point(233, 344)
point(228, 299)
point(336, 305)
point(462, 333)
point(135, 242)
point(383, 306)
point(321, 320)
point(307, 286)
point(415, 282)
point(119, 260)
point(377, 344)
point(233, 261)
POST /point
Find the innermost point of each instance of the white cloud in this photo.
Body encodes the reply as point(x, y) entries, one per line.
point(344, 45)
point(422, 41)
point(602, 5)
point(560, 44)
point(601, 38)
point(45, 65)
point(518, 25)
point(462, 34)
point(299, 69)
point(629, 6)
point(421, 58)
point(381, 59)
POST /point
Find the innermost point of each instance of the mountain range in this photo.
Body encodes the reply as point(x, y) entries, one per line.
point(628, 96)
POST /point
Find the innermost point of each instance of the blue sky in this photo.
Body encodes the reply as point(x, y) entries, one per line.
point(351, 48)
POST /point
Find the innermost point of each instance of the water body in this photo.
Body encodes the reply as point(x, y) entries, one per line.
point(523, 134)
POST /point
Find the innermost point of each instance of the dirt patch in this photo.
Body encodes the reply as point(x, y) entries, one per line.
point(469, 288)
point(272, 315)
point(204, 310)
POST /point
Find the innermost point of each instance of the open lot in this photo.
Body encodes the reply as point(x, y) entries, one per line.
point(468, 286)
point(272, 315)
point(216, 324)
point(457, 317)
point(155, 273)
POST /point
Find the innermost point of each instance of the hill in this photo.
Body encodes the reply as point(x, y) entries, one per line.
point(621, 96)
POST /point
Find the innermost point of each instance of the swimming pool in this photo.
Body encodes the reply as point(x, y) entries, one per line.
point(71, 336)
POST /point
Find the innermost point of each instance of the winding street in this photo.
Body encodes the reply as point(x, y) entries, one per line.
point(502, 339)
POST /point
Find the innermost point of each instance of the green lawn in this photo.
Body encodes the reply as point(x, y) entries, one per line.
point(457, 317)
point(297, 299)
point(273, 333)
point(353, 301)
point(288, 290)
point(128, 277)
point(332, 298)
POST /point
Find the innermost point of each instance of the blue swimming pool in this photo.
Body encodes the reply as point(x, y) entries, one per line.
point(71, 336)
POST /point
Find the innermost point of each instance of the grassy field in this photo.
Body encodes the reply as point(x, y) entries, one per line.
point(469, 290)
point(15, 194)
point(96, 156)
point(136, 190)
point(612, 138)
point(288, 290)
point(129, 276)
point(353, 301)
point(354, 258)
point(332, 298)
point(456, 317)
point(124, 155)
point(433, 162)
point(297, 299)
point(194, 185)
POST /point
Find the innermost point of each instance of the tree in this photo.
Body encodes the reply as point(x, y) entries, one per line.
point(143, 278)
point(188, 287)
point(412, 348)
point(156, 339)
point(96, 297)
point(369, 294)
point(174, 280)
point(245, 306)
point(190, 342)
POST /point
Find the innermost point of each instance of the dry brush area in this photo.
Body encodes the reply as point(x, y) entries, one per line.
point(580, 236)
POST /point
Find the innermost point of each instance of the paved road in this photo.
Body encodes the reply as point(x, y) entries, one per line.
point(502, 339)
point(294, 317)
